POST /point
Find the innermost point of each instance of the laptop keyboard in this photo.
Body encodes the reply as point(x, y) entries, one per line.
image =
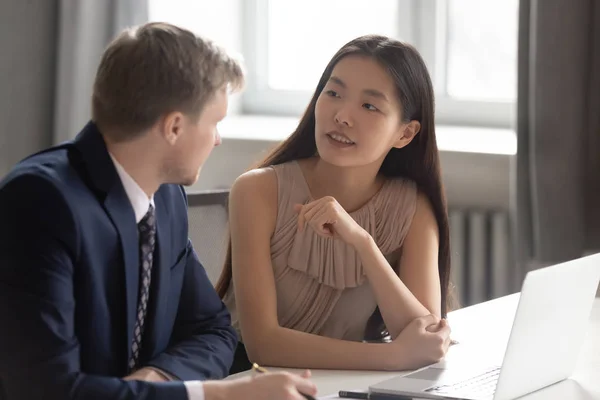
point(480, 386)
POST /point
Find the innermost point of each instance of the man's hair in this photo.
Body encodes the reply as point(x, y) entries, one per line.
point(154, 69)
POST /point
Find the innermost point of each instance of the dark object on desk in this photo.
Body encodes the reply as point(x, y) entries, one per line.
point(346, 394)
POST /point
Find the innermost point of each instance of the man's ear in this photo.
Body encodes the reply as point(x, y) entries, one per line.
point(407, 134)
point(171, 126)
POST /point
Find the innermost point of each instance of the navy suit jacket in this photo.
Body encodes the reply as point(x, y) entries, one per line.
point(69, 271)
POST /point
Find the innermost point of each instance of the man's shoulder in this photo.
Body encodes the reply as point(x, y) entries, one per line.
point(49, 165)
point(46, 179)
point(34, 192)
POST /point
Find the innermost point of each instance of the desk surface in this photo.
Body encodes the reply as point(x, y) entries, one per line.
point(475, 327)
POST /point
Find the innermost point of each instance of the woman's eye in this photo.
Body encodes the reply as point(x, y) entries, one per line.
point(332, 93)
point(370, 107)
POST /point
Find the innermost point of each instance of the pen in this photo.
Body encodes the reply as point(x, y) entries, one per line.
point(262, 370)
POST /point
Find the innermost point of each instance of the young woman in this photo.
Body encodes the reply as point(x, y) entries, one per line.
point(341, 235)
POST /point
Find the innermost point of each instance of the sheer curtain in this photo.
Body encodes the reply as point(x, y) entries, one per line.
point(85, 27)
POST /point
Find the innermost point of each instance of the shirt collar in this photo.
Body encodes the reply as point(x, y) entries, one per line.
point(137, 197)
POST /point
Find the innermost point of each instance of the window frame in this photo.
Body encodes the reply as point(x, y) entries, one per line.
point(424, 24)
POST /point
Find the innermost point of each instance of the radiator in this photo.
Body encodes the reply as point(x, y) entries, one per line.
point(481, 255)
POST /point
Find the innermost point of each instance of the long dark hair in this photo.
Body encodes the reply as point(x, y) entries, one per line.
point(418, 161)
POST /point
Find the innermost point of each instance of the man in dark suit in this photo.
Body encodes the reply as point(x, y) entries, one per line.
point(101, 293)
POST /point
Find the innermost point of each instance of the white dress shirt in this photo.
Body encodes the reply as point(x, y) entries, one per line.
point(141, 203)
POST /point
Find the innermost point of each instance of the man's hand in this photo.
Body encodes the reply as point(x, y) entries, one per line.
point(148, 375)
point(269, 386)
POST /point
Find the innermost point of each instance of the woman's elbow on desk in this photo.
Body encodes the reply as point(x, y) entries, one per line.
point(261, 344)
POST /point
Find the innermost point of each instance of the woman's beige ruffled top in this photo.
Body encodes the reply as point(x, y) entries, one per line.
point(320, 283)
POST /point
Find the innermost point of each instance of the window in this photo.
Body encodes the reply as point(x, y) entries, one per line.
point(470, 47)
point(481, 56)
point(296, 52)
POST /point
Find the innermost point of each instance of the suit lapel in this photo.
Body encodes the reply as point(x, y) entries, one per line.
point(120, 211)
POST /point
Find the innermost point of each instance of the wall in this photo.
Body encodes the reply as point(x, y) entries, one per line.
point(27, 71)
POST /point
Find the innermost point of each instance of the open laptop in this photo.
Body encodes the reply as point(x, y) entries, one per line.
point(548, 331)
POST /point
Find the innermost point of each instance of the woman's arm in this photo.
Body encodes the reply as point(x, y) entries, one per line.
point(253, 212)
point(415, 292)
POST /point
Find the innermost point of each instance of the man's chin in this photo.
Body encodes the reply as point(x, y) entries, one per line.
point(189, 181)
point(183, 179)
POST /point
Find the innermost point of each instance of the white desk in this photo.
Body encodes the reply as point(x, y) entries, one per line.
point(475, 328)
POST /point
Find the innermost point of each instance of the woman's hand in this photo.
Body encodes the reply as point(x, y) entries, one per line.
point(329, 219)
point(425, 340)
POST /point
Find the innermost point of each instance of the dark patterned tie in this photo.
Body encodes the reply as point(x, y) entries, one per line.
point(147, 237)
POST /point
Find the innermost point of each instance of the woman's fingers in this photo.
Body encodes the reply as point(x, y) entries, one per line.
point(315, 214)
point(302, 209)
point(319, 219)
